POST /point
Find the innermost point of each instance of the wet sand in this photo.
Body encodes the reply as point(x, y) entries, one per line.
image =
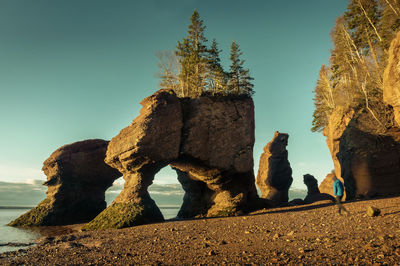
point(309, 234)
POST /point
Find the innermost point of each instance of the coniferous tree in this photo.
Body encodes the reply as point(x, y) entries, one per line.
point(361, 38)
point(195, 69)
point(217, 78)
point(192, 52)
point(239, 78)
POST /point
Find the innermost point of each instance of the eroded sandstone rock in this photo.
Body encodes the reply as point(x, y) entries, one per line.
point(217, 151)
point(207, 140)
point(313, 192)
point(139, 151)
point(337, 123)
point(326, 185)
point(77, 179)
point(369, 161)
point(274, 173)
point(312, 184)
point(391, 78)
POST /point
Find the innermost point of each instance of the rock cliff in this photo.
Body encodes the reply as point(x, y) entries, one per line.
point(207, 140)
point(391, 78)
point(369, 161)
point(274, 176)
point(77, 179)
point(365, 161)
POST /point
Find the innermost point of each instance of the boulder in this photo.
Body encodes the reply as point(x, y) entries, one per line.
point(373, 211)
point(207, 140)
point(77, 179)
point(391, 78)
point(274, 176)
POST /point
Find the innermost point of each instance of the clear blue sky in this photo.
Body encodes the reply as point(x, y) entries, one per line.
point(77, 69)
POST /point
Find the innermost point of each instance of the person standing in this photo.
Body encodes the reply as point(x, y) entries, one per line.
point(338, 190)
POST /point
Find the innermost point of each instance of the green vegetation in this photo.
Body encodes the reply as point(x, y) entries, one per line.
point(226, 212)
point(38, 216)
point(194, 69)
point(121, 215)
point(353, 78)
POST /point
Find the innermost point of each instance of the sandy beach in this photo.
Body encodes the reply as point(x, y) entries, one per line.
point(309, 234)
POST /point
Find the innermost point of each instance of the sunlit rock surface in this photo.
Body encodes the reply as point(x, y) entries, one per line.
point(77, 178)
point(274, 176)
point(391, 78)
point(208, 141)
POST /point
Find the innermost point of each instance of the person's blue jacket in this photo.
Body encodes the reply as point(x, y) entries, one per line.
point(338, 188)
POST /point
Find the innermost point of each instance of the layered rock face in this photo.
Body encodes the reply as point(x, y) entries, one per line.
point(369, 162)
point(207, 140)
point(337, 124)
point(366, 162)
point(217, 151)
point(139, 151)
point(274, 176)
point(391, 79)
point(77, 178)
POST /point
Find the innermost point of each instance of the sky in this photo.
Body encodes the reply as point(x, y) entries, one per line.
point(77, 69)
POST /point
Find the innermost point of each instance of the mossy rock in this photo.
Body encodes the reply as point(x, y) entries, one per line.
point(38, 216)
point(226, 212)
point(121, 215)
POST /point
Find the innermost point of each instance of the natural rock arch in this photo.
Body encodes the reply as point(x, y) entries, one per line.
point(208, 141)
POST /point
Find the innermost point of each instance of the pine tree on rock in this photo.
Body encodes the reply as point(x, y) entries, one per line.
point(239, 78)
point(192, 52)
point(217, 78)
point(194, 69)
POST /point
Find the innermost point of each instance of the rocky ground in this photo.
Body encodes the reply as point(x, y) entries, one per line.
point(311, 234)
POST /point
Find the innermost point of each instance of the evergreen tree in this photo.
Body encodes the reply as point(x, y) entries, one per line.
point(239, 78)
point(217, 78)
point(361, 38)
point(390, 20)
point(195, 69)
point(192, 52)
point(363, 20)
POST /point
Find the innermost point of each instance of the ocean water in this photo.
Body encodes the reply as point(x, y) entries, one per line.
point(10, 234)
point(17, 236)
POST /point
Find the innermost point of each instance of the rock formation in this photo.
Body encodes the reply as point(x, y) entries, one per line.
point(207, 140)
point(337, 124)
point(326, 185)
point(313, 192)
point(312, 184)
point(366, 162)
point(274, 173)
point(391, 78)
point(77, 179)
point(369, 161)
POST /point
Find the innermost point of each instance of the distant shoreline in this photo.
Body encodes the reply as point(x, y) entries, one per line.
point(15, 207)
